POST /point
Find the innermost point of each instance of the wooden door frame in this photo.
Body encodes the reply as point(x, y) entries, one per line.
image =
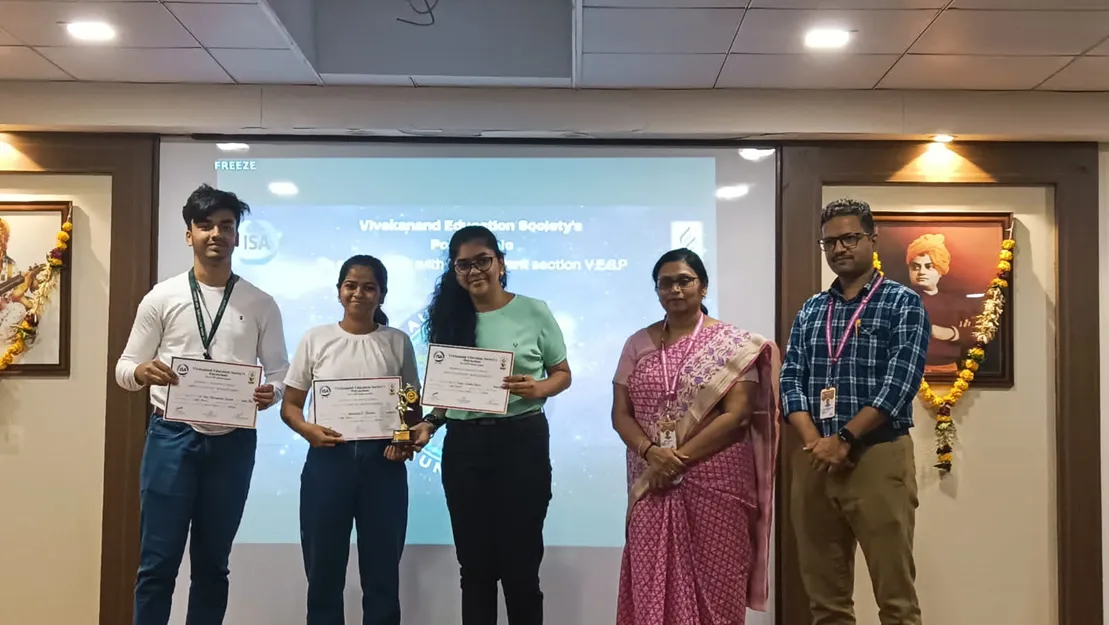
point(132, 162)
point(1071, 171)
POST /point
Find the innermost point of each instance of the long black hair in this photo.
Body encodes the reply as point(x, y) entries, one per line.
point(451, 317)
point(380, 275)
point(689, 257)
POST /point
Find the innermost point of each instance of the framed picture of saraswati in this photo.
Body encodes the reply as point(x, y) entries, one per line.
point(950, 259)
point(34, 289)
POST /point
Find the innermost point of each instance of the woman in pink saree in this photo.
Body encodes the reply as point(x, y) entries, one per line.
point(696, 403)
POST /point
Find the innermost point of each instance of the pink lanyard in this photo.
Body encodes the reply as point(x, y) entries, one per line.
point(672, 387)
point(853, 321)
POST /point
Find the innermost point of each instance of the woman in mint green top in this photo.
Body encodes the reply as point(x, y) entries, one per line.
point(497, 468)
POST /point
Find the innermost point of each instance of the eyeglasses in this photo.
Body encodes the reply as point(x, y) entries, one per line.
point(682, 282)
point(481, 263)
point(849, 241)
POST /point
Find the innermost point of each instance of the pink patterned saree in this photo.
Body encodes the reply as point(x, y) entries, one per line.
point(698, 552)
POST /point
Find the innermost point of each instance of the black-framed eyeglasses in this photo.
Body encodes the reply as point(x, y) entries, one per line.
point(682, 282)
point(465, 266)
point(849, 241)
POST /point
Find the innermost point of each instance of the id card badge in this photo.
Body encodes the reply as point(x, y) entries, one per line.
point(827, 404)
point(668, 434)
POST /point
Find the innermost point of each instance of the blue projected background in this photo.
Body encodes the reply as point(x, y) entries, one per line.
point(580, 233)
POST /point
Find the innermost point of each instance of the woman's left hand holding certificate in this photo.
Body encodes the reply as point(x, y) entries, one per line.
point(210, 392)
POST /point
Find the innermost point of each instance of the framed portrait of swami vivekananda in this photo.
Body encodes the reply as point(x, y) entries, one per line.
point(950, 259)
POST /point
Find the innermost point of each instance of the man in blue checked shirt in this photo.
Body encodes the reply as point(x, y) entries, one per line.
point(854, 362)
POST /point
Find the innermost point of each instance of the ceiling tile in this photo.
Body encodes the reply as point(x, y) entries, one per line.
point(7, 40)
point(668, 4)
point(848, 4)
point(138, 24)
point(1089, 73)
point(1035, 5)
point(138, 65)
point(804, 71)
point(992, 73)
point(650, 71)
point(1031, 33)
point(230, 25)
point(1101, 50)
point(26, 64)
point(768, 31)
point(265, 66)
point(662, 31)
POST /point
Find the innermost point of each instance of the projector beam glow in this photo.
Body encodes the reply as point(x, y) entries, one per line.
point(283, 189)
point(732, 192)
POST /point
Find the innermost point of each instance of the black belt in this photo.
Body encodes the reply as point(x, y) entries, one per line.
point(486, 421)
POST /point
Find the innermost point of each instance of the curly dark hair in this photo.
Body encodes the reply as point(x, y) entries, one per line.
point(451, 317)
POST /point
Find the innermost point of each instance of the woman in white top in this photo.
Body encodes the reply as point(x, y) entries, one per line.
point(361, 482)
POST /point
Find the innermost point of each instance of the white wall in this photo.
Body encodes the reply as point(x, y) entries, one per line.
point(176, 109)
point(986, 538)
point(52, 434)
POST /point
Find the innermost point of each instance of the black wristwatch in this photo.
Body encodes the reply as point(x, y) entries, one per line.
point(435, 421)
point(846, 436)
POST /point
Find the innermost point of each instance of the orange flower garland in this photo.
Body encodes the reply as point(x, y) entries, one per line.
point(985, 329)
point(27, 330)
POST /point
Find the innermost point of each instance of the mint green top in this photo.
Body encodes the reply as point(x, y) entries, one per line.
point(525, 327)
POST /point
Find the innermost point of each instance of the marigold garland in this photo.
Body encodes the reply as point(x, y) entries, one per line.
point(27, 329)
point(985, 329)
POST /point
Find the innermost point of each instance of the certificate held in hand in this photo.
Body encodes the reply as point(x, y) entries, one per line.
point(467, 378)
point(358, 409)
point(210, 392)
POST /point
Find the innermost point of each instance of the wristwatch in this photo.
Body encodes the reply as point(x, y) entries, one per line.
point(846, 436)
point(436, 421)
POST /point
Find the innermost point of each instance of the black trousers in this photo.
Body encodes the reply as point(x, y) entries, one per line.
point(497, 480)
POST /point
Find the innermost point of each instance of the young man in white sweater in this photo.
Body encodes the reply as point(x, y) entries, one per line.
point(197, 476)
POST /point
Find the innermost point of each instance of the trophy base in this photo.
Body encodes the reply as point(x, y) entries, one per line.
point(402, 438)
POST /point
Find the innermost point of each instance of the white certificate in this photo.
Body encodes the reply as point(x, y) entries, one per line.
point(467, 378)
point(213, 393)
point(357, 409)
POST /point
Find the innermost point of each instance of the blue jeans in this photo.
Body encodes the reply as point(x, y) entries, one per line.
point(353, 484)
point(188, 478)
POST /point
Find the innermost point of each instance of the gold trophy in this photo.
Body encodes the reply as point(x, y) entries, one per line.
point(406, 398)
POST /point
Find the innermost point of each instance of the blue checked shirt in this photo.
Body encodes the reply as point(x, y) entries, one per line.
point(881, 365)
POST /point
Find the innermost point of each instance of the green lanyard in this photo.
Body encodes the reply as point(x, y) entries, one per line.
point(206, 336)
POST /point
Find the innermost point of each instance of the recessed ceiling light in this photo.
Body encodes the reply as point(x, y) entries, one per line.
point(233, 147)
point(755, 154)
point(91, 31)
point(827, 38)
point(732, 192)
point(283, 188)
point(943, 138)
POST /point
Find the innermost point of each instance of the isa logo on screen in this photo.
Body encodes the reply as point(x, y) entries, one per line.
point(258, 242)
point(688, 234)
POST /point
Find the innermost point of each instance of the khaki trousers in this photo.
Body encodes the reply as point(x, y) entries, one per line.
point(874, 506)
